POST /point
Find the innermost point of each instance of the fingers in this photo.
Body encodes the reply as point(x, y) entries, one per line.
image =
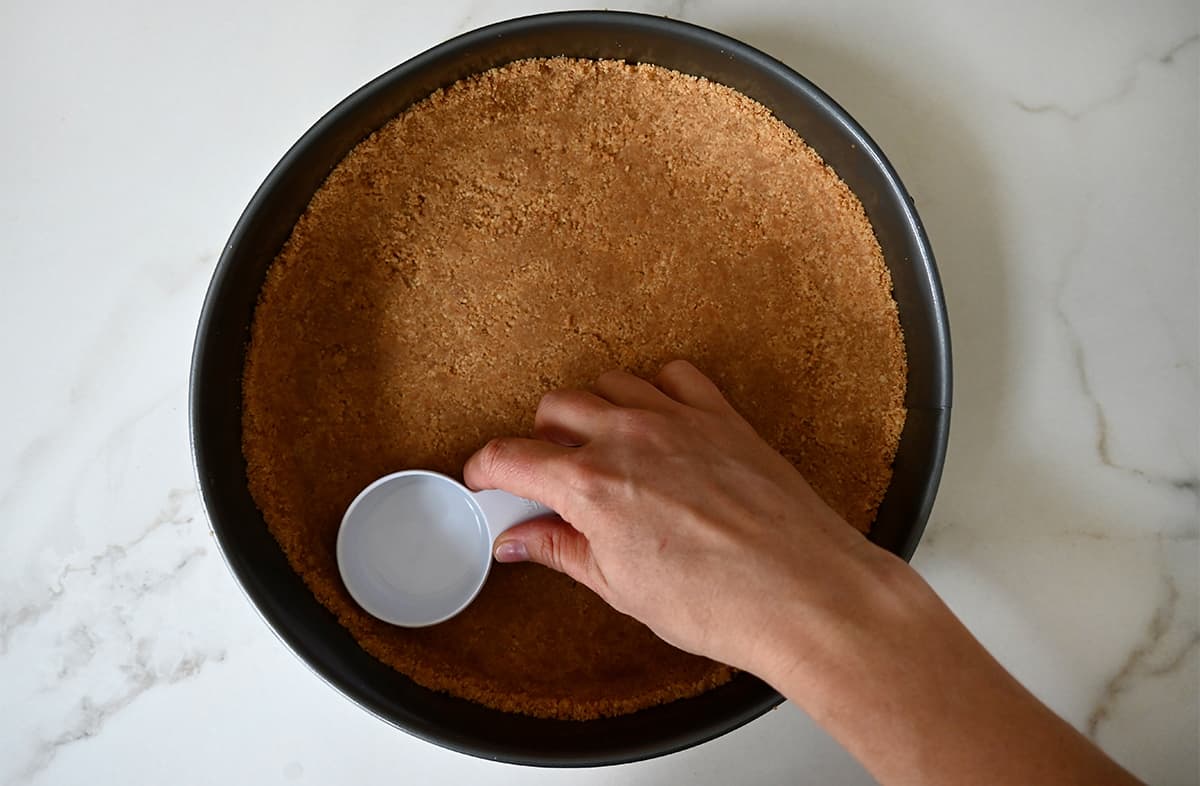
point(573, 417)
point(548, 541)
point(685, 383)
point(530, 468)
point(541, 469)
point(626, 390)
point(570, 417)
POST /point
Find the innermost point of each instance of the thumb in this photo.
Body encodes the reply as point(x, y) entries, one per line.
point(548, 541)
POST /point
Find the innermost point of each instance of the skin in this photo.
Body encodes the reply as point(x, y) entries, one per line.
point(674, 511)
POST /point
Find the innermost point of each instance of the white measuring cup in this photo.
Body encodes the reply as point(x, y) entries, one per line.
point(415, 547)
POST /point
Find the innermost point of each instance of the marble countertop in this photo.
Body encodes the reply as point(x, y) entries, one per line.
point(1051, 149)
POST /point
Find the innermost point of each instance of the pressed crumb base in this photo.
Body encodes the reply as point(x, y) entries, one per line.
point(527, 229)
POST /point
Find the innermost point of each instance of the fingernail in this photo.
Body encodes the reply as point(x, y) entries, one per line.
point(511, 551)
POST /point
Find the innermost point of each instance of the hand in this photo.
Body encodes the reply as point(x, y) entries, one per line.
point(676, 512)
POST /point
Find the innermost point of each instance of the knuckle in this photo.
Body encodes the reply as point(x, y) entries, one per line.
point(557, 404)
point(677, 368)
point(551, 399)
point(494, 456)
point(550, 549)
point(586, 476)
point(634, 421)
point(696, 419)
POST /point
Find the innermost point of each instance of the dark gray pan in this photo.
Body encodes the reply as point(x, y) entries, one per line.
point(215, 400)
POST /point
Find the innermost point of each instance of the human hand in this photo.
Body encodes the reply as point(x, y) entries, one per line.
point(675, 511)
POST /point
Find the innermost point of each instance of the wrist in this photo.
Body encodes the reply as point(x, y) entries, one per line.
point(838, 632)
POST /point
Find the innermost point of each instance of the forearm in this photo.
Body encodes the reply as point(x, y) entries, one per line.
point(908, 690)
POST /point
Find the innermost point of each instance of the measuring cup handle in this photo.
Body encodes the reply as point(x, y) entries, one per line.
point(504, 511)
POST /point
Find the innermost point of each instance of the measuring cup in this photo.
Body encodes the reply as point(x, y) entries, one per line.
point(415, 546)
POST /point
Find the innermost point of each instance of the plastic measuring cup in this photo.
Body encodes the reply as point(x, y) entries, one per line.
point(415, 547)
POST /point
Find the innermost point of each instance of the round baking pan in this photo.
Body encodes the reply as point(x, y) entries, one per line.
point(221, 339)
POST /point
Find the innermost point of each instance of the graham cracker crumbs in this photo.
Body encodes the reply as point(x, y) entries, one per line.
point(527, 229)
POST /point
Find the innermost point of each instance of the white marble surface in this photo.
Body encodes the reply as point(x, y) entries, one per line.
point(1051, 149)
